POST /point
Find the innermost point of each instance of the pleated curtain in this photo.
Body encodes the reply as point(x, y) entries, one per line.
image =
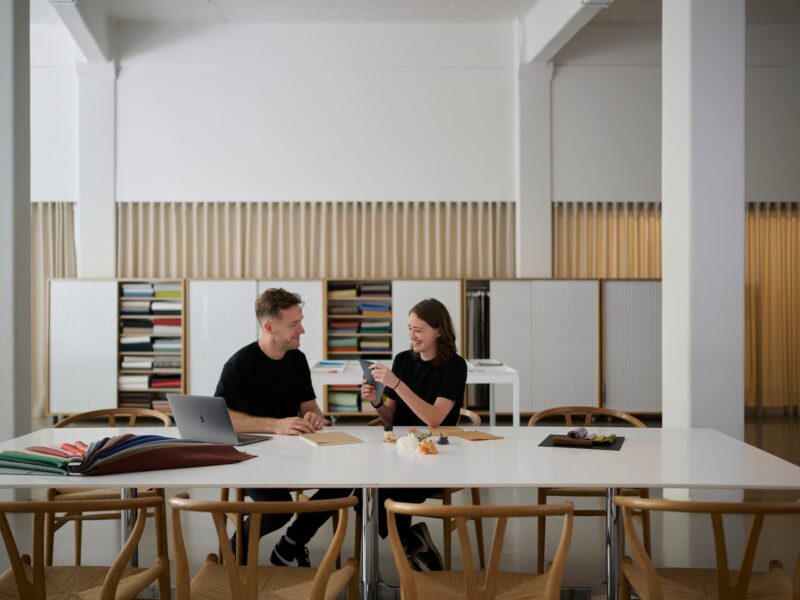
point(623, 241)
point(607, 240)
point(52, 257)
point(234, 240)
point(772, 305)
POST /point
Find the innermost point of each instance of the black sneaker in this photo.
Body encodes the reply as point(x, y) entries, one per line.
point(426, 553)
point(413, 561)
point(287, 554)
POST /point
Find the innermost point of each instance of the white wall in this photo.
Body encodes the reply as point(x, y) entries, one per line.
point(607, 115)
point(54, 115)
point(298, 113)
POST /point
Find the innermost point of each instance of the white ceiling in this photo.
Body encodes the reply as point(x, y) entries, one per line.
point(308, 11)
point(648, 12)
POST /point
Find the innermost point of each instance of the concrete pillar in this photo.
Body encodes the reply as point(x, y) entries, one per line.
point(95, 223)
point(703, 208)
point(534, 209)
point(15, 226)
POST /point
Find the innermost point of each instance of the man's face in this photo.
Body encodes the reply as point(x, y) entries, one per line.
point(287, 329)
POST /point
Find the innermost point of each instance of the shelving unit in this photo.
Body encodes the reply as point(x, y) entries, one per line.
point(359, 325)
point(151, 343)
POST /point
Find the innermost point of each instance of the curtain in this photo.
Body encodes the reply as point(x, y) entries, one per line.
point(597, 240)
point(772, 303)
point(52, 257)
point(615, 241)
point(316, 240)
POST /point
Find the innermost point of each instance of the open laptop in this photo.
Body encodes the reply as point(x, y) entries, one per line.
point(206, 419)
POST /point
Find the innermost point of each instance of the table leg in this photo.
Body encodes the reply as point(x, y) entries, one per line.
point(492, 407)
point(369, 544)
point(613, 537)
point(127, 519)
point(515, 408)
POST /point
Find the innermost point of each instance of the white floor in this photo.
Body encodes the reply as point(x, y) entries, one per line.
point(678, 539)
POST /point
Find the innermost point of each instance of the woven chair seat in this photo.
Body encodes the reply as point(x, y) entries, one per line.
point(694, 584)
point(444, 585)
point(274, 583)
point(77, 583)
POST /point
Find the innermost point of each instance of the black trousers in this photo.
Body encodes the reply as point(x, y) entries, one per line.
point(302, 528)
point(398, 495)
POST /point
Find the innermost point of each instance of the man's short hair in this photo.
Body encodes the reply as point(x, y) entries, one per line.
point(273, 301)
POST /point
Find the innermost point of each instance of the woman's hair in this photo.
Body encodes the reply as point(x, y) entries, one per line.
point(436, 315)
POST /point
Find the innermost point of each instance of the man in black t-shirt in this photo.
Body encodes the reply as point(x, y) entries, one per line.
point(267, 388)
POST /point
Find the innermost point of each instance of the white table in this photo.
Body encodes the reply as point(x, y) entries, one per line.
point(351, 375)
point(694, 458)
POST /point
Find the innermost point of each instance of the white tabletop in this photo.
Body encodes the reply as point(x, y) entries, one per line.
point(649, 458)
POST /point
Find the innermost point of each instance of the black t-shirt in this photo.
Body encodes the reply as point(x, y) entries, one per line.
point(428, 382)
point(253, 383)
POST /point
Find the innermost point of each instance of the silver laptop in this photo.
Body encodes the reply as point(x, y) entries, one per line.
point(206, 419)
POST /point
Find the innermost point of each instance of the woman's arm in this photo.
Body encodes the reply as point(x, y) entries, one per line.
point(430, 414)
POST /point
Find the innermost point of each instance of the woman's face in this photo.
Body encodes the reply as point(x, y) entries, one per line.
point(423, 337)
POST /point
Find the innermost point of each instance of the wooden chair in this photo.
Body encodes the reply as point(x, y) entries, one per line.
point(34, 580)
point(651, 583)
point(56, 521)
point(469, 583)
point(299, 495)
point(446, 496)
point(251, 581)
point(587, 414)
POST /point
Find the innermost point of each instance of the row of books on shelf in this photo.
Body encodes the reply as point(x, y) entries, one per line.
point(145, 343)
point(353, 344)
point(150, 307)
point(364, 309)
point(343, 398)
point(339, 290)
point(140, 383)
point(157, 289)
point(346, 326)
point(150, 363)
point(153, 325)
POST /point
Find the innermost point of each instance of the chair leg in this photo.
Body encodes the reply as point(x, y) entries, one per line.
point(49, 537)
point(335, 524)
point(645, 493)
point(447, 530)
point(624, 584)
point(476, 500)
point(357, 545)
point(78, 541)
point(540, 533)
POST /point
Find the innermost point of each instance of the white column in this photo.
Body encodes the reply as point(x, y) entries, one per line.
point(703, 214)
point(96, 212)
point(534, 208)
point(15, 210)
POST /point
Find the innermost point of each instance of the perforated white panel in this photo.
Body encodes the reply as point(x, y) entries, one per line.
point(565, 344)
point(632, 345)
point(311, 292)
point(83, 345)
point(510, 330)
point(221, 320)
point(405, 294)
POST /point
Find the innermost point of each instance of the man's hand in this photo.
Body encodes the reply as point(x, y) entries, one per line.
point(314, 419)
point(293, 426)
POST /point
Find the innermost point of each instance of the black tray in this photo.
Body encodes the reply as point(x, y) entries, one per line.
point(548, 443)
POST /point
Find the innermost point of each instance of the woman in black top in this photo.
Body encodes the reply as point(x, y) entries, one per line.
point(425, 386)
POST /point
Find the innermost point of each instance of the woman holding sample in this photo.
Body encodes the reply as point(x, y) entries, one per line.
point(425, 386)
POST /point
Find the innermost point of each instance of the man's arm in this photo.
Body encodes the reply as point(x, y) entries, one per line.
point(311, 413)
point(243, 422)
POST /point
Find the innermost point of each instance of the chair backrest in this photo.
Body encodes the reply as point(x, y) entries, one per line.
point(463, 413)
point(220, 512)
point(587, 412)
point(728, 589)
point(480, 586)
point(112, 414)
point(30, 577)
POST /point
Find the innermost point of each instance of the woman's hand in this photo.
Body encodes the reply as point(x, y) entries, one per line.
point(384, 375)
point(368, 392)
